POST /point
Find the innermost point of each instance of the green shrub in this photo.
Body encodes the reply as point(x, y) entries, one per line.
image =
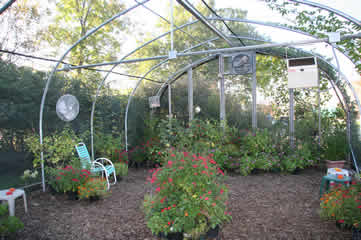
point(8, 224)
point(58, 148)
point(30, 177)
point(121, 169)
point(106, 144)
point(259, 142)
point(247, 164)
point(221, 158)
point(334, 145)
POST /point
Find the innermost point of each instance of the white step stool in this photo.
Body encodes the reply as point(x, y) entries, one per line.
point(11, 199)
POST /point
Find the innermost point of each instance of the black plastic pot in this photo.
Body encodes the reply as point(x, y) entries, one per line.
point(343, 226)
point(94, 198)
point(356, 234)
point(297, 171)
point(72, 195)
point(171, 236)
point(212, 234)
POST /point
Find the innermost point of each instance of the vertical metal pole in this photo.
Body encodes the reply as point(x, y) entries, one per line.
point(171, 25)
point(292, 114)
point(348, 126)
point(190, 94)
point(254, 95)
point(319, 115)
point(222, 112)
point(170, 101)
point(42, 168)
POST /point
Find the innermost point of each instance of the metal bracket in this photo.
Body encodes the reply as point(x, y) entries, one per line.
point(172, 54)
point(334, 37)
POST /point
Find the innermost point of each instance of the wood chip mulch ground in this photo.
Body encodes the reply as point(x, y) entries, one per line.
point(263, 206)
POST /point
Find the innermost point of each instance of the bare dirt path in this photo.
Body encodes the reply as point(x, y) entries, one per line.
point(263, 206)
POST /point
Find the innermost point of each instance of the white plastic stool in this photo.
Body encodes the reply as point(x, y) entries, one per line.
point(11, 199)
point(338, 171)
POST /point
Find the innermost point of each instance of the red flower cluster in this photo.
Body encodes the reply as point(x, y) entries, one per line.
point(122, 155)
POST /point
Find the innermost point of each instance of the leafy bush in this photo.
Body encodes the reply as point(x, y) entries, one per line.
point(30, 176)
point(151, 152)
point(58, 148)
point(247, 164)
point(334, 145)
point(106, 144)
point(259, 142)
point(221, 157)
point(68, 179)
point(189, 196)
point(8, 224)
point(137, 156)
point(233, 149)
point(260, 151)
point(300, 157)
point(121, 169)
point(196, 136)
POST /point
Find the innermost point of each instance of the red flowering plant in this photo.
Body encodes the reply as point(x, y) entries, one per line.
point(120, 155)
point(68, 179)
point(343, 204)
point(189, 196)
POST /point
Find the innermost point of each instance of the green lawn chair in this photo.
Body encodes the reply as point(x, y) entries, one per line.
point(100, 165)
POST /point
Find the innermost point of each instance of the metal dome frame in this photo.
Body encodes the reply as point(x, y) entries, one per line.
point(216, 52)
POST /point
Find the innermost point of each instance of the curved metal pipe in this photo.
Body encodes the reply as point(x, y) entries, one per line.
point(192, 10)
point(163, 88)
point(106, 76)
point(53, 72)
point(185, 25)
point(183, 70)
point(153, 68)
point(130, 99)
point(273, 25)
point(6, 6)
point(133, 92)
point(327, 8)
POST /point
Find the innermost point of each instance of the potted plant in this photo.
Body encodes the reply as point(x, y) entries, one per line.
point(121, 169)
point(68, 179)
point(343, 204)
point(189, 199)
point(8, 224)
point(335, 149)
point(93, 189)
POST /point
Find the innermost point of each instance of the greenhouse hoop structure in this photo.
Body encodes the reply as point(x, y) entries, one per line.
point(262, 46)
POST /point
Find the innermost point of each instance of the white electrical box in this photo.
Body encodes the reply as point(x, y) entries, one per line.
point(302, 72)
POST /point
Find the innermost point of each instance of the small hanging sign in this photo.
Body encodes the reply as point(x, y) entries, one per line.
point(154, 101)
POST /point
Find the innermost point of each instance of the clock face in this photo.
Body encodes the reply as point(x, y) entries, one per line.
point(242, 64)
